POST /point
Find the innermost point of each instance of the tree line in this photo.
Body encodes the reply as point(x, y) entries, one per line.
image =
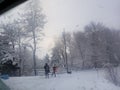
point(98, 46)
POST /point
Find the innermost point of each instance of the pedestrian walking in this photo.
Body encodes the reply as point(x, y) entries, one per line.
point(54, 70)
point(47, 70)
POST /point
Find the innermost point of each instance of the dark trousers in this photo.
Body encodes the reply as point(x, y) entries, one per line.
point(46, 74)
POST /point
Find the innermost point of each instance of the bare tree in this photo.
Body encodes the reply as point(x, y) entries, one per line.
point(57, 54)
point(65, 50)
point(35, 21)
point(81, 45)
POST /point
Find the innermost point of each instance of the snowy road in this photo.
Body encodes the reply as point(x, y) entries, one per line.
point(83, 80)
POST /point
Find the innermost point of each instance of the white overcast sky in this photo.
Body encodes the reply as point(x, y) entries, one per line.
point(69, 13)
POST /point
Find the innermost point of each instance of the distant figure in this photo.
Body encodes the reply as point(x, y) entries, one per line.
point(47, 70)
point(54, 70)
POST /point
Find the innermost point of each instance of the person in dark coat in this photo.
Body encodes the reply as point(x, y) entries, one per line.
point(47, 70)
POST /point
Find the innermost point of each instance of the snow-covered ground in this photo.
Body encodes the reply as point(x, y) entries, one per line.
point(82, 80)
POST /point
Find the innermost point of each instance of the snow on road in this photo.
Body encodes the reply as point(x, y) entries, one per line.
point(82, 80)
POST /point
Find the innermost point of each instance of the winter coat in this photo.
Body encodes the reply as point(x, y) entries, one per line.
point(47, 68)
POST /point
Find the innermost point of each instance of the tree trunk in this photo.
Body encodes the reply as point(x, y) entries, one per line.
point(34, 53)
